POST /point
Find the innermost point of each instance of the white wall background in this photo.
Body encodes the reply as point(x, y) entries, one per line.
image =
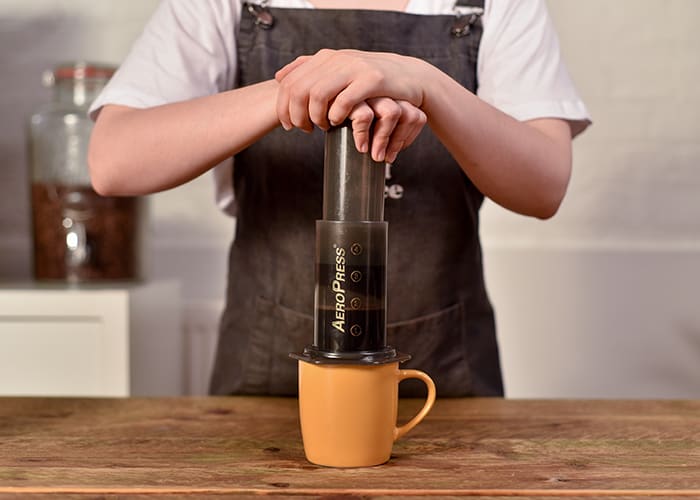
point(601, 301)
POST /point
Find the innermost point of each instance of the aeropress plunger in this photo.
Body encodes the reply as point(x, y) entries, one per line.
point(351, 255)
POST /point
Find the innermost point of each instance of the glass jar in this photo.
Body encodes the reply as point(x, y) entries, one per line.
point(78, 235)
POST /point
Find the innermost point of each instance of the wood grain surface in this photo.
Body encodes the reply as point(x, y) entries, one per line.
point(252, 446)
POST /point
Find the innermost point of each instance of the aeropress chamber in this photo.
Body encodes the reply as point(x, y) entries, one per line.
point(351, 258)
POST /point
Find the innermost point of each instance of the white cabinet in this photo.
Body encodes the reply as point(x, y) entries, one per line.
point(91, 341)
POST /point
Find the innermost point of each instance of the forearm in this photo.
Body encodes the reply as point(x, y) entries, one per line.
point(524, 167)
point(140, 151)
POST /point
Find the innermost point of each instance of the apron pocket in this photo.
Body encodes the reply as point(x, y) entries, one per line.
point(278, 331)
point(435, 343)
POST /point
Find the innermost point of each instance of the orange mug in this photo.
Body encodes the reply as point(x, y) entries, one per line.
point(348, 412)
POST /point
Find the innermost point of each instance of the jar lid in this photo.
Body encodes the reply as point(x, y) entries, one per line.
point(79, 71)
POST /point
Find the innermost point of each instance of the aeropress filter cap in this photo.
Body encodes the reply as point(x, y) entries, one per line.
point(351, 253)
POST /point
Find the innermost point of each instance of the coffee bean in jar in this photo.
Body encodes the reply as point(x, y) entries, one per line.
point(82, 236)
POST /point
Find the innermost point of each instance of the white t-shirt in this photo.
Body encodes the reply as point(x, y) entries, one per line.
point(188, 50)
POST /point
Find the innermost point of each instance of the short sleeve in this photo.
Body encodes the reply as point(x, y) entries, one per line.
point(186, 50)
point(521, 71)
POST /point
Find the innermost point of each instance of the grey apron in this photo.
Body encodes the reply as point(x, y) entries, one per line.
point(437, 306)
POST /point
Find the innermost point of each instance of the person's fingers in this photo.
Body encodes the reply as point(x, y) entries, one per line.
point(418, 118)
point(361, 117)
point(340, 81)
point(286, 77)
point(352, 92)
point(321, 97)
point(387, 114)
point(412, 122)
point(282, 73)
point(292, 96)
point(292, 110)
point(282, 106)
point(304, 93)
point(299, 111)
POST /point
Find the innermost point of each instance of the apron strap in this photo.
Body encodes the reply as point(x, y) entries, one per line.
point(470, 3)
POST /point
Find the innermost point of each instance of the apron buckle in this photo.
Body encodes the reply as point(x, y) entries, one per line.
point(462, 25)
point(465, 17)
point(263, 17)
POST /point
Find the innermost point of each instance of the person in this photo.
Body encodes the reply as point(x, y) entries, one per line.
point(261, 82)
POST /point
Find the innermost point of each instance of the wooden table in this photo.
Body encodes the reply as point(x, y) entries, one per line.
point(252, 446)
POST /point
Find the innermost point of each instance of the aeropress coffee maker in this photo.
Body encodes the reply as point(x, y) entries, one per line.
point(349, 376)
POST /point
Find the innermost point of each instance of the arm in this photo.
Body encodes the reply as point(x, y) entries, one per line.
point(523, 166)
point(138, 151)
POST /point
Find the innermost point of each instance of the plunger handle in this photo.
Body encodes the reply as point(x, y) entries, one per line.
point(353, 183)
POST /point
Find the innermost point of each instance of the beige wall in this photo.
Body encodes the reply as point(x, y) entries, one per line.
point(599, 301)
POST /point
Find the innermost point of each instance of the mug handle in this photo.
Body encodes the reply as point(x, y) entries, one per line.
point(430, 400)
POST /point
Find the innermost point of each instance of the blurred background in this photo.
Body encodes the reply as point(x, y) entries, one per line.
point(602, 301)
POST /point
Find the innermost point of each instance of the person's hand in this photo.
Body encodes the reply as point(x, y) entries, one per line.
point(390, 125)
point(324, 89)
